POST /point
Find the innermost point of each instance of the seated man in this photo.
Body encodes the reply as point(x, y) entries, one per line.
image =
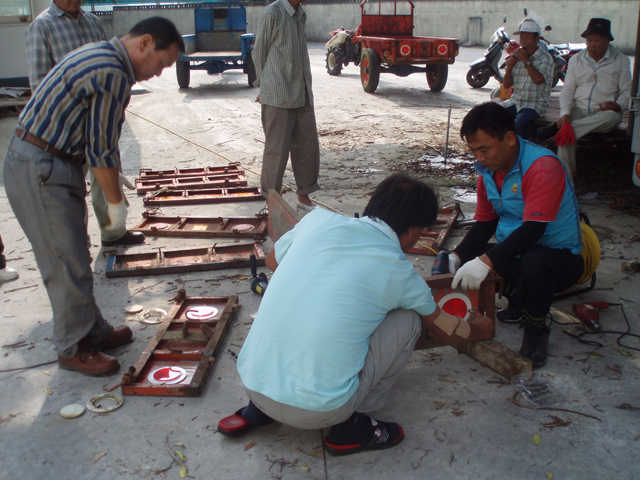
point(596, 90)
point(530, 71)
point(340, 319)
point(526, 199)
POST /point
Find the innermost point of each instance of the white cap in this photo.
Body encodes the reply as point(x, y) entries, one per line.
point(528, 25)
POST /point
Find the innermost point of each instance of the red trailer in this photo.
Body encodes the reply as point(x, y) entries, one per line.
point(384, 43)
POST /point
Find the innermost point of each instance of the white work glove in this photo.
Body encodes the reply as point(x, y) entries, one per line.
point(126, 182)
point(454, 263)
point(471, 274)
point(117, 215)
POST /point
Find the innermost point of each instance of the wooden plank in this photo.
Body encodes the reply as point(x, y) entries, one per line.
point(497, 357)
point(198, 362)
point(282, 217)
point(203, 227)
point(185, 260)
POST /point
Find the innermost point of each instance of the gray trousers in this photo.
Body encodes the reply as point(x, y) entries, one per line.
point(47, 195)
point(290, 130)
point(390, 349)
point(582, 124)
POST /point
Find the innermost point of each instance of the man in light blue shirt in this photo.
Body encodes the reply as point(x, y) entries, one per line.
point(340, 319)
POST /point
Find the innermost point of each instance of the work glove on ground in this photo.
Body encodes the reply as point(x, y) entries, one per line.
point(117, 215)
point(565, 136)
point(126, 182)
point(471, 274)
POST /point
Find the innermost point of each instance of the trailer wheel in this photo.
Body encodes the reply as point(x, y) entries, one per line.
point(183, 73)
point(250, 69)
point(370, 70)
point(334, 61)
point(477, 78)
point(437, 76)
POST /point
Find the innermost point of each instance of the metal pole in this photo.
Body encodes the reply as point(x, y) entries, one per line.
point(446, 147)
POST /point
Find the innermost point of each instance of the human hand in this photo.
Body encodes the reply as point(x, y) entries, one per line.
point(117, 215)
point(258, 99)
point(126, 182)
point(564, 119)
point(481, 328)
point(522, 55)
point(610, 106)
point(471, 274)
point(511, 62)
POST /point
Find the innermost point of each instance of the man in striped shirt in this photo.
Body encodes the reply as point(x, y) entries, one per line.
point(76, 114)
point(59, 30)
point(288, 118)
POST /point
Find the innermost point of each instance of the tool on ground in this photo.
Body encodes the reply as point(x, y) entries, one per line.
point(588, 313)
point(258, 282)
point(441, 265)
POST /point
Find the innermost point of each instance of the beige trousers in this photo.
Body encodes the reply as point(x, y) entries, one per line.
point(290, 130)
point(582, 124)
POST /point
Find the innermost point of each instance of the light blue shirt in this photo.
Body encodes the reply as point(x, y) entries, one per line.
point(337, 279)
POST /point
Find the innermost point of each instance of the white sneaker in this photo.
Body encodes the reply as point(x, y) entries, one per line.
point(7, 274)
point(305, 208)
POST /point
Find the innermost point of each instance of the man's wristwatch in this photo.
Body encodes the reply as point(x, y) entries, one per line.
point(527, 63)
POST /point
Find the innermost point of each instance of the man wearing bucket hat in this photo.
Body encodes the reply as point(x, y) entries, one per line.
point(595, 94)
point(530, 71)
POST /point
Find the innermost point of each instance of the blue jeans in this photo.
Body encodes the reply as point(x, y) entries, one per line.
point(523, 118)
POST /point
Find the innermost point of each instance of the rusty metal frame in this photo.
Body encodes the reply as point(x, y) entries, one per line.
point(149, 174)
point(191, 182)
point(282, 217)
point(203, 227)
point(171, 196)
point(206, 335)
point(160, 262)
point(431, 239)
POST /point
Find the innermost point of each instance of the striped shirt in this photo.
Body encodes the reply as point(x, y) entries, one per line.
point(79, 106)
point(281, 57)
point(526, 94)
point(54, 34)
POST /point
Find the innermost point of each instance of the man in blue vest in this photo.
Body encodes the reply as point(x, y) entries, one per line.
point(526, 199)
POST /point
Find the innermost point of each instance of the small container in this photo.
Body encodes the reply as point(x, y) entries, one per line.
point(536, 390)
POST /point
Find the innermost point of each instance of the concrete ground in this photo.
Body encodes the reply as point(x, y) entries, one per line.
point(456, 413)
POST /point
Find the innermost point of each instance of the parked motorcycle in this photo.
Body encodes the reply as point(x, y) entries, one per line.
point(481, 71)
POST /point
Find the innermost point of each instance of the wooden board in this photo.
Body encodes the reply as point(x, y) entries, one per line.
point(466, 304)
point(431, 239)
point(191, 182)
point(199, 259)
point(148, 174)
point(497, 357)
point(282, 217)
point(170, 196)
point(186, 346)
point(203, 227)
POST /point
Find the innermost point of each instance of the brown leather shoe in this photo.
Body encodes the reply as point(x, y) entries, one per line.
point(90, 361)
point(117, 337)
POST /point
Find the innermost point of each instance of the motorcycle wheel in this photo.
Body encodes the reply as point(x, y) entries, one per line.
point(370, 70)
point(477, 78)
point(334, 61)
point(437, 76)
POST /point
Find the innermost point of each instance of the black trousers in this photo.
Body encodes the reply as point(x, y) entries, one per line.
point(536, 276)
point(3, 261)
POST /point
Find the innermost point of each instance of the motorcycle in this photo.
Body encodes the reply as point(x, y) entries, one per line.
point(481, 71)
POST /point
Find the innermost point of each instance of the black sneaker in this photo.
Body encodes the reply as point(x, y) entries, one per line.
point(534, 344)
point(508, 316)
point(129, 238)
point(545, 133)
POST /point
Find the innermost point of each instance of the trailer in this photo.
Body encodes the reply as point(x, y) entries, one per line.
point(384, 43)
point(221, 42)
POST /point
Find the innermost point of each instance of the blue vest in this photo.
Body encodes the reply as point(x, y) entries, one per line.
point(563, 232)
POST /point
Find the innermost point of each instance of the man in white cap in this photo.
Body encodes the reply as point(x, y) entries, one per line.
point(595, 94)
point(530, 71)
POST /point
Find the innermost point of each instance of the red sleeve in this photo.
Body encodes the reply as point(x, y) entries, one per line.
point(543, 187)
point(484, 209)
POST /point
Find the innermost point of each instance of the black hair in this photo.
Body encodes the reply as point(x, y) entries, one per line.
point(491, 118)
point(403, 202)
point(163, 31)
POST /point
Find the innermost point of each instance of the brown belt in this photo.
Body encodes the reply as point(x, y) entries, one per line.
point(38, 142)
